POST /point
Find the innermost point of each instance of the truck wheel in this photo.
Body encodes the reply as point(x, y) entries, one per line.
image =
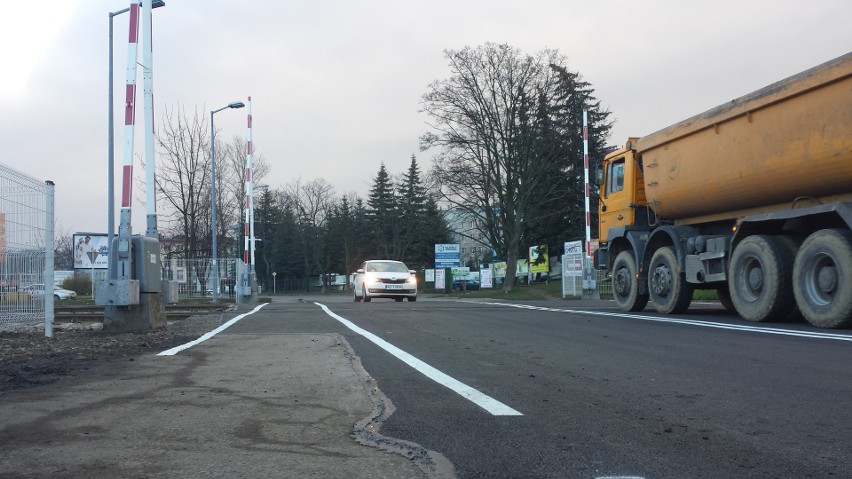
point(625, 285)
point(761, 279)
point(822, 278)
point(669, 290)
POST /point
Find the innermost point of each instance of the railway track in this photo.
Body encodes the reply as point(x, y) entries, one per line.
point(75, 314)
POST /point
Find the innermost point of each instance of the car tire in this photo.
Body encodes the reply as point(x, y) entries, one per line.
point(364, 294)
point(412, 298)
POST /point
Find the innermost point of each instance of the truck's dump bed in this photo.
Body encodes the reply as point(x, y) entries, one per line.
point(790, 140)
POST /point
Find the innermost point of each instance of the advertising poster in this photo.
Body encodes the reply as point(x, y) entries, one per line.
point(485, 280)
point(440, 279)
point(499, 269)
point(539, 259)
point(430, 276)
point(91, 251)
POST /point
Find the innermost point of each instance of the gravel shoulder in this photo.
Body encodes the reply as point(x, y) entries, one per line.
point(28, 358)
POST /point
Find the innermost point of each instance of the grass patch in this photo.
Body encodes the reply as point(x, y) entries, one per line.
point(705, 295)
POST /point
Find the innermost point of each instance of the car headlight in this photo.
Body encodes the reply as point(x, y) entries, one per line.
point(411, 280)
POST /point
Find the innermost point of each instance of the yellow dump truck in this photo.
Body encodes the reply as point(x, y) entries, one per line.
point(752, 198)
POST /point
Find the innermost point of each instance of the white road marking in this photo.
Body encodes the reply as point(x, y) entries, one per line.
point(206, 336)
point(488, 403)
point(691, 322)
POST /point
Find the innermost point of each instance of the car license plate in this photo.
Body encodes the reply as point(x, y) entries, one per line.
point(393, 286)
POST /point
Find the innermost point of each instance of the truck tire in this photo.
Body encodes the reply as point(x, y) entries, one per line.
point(625, 285)
point(760, 279)
point(822, 278)
point(670, 293)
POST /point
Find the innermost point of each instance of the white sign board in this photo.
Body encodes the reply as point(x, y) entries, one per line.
point(485, 280)
point(573, 259)
point(440, 279)
point(430, 276)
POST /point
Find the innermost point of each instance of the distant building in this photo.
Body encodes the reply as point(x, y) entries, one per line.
point(473, 243)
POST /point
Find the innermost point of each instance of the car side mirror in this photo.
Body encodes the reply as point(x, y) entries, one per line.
point(412, 271)
point(359, 271)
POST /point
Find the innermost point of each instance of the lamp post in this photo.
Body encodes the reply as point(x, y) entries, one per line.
point(111, 134)
point(236, 104)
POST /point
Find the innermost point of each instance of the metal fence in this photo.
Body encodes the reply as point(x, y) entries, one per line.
point(603, 284)
point(197, 279)
point(26, 247)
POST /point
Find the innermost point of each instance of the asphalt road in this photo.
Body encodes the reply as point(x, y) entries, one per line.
point(584, 391)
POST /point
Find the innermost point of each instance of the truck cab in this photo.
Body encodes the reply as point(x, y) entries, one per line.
point(622, 191)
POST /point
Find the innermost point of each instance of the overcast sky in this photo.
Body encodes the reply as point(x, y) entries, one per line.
point(336, 84)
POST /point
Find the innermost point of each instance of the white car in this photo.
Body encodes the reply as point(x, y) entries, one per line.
point(37, 290)
point(381, 278)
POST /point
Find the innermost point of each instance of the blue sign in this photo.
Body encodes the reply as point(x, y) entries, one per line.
point(447, 256)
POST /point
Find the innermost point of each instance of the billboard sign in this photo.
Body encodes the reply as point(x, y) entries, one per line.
point(447, 255)
point(91, 251)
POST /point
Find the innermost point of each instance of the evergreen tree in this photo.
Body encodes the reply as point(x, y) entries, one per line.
point(383, 216)
point(564, 219)
point(412, 213)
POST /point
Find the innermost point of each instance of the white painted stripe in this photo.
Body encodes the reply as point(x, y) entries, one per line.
point(691, 322)
point(205, 337)
point(488, 403)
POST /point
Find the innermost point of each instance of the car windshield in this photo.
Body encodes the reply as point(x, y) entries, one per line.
point(386, 267)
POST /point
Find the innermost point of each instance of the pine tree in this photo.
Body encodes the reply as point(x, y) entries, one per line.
point(412, 209)
point(383, 215)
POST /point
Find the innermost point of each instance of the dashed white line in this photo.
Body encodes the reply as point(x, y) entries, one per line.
point(206, 336)
point(484, 401)
point(691, 322)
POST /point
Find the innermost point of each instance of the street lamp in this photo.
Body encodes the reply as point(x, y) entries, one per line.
point(236, 104)
point(111, 131)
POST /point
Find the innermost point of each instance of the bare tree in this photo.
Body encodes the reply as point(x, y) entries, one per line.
point(493, 124)
point(183, 178)
point(63, 248)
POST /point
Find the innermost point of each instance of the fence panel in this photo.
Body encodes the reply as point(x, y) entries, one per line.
point(23, 248)
point(196, 278)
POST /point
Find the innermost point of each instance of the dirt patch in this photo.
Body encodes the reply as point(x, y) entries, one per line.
point(28, 358)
